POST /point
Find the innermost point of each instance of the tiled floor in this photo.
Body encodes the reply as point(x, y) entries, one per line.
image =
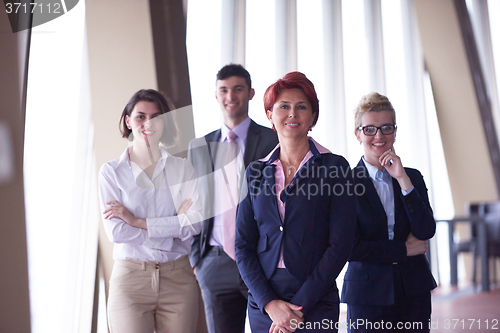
point(466, 311)
point(462, 310)
point(459, 310)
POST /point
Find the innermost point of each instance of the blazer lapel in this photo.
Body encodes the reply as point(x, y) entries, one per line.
point(212, 140)
point(268, 173)
point(212, 144)
point(399, 211)
point(371, 193)
point(251, 144)
point(270, 180)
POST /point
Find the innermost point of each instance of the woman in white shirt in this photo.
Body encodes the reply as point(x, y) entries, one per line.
point(151, 210)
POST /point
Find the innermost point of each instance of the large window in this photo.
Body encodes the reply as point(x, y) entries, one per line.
point(204, 44)
point(62, 240)
point(402, 79)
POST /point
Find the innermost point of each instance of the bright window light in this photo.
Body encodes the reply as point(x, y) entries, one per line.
point(260, 53)
point(62, 242)
point(356, 71)
point(203, 42)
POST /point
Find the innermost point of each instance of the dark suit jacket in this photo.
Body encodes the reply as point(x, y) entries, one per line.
point(316, 235)
point(369, 278)
point(202, 151)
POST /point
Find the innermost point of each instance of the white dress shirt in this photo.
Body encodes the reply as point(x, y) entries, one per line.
point(167, 236)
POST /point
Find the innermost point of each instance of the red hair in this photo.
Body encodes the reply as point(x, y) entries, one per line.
point(292, 80)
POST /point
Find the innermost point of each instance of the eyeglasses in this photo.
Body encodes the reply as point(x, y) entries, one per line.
point(371, 130)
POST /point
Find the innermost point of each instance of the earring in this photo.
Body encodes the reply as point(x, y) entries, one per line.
point(273, 128)
point(310, 129)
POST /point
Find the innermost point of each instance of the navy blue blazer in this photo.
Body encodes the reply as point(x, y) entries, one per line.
point(316, 234)
point(202, 151)
point(369, 278)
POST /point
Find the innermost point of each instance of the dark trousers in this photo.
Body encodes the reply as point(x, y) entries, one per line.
point(407, 314)
point(224, 292)
point(322, 318)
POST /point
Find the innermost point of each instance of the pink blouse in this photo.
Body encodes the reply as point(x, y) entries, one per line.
point(280, 183)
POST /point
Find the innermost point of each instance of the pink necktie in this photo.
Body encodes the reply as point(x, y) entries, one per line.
point(231, 182)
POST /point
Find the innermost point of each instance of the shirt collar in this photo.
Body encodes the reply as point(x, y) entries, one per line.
point(241, 130)
point(315, 148)
point(372, 171)
point(125, 157)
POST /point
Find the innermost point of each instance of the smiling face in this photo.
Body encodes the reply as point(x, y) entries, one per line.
point(233, 95)
point(374, 146)
point(145, 122)
point(292, 114)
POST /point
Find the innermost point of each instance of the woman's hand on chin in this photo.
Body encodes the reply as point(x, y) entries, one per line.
point(392, 163)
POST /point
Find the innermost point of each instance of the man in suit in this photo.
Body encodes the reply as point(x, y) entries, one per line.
point(212, 254)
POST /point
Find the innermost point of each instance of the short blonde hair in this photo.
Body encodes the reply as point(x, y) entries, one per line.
point(373, 102)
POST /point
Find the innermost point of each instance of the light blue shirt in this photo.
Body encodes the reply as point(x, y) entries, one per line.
point(382, 181)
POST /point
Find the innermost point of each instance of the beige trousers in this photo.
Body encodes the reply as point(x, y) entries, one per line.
point(147, 297)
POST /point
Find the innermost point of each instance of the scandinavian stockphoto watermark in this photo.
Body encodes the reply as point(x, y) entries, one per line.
point(328, 324)
point(26, 14)
point(363, 324)
point(327, 180)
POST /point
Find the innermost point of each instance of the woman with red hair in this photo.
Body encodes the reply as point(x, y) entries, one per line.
point(294, 229)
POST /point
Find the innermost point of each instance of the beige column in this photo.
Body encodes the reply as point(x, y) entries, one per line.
point(121, 61)
point(464, 143)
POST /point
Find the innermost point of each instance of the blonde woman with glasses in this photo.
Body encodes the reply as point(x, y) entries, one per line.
point(388, 281)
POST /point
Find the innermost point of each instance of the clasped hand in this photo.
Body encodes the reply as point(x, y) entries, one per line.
point(415, 246)
point(283, 314)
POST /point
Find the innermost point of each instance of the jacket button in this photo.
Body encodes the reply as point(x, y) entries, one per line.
point(281, 228)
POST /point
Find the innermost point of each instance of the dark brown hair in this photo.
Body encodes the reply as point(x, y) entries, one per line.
point(234, 70)
point(164, 105)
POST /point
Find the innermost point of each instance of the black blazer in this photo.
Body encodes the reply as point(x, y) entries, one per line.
point(260, 141)
point(369, 278)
